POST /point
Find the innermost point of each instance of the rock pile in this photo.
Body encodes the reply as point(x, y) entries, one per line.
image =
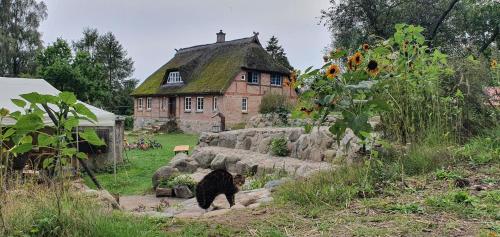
point(318, 145)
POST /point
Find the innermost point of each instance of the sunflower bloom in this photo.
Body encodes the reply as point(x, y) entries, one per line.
point(358, 58)
point(372, 68)
point(366, 47)
point(332, 71)
point(493, 63)
point(350, 63)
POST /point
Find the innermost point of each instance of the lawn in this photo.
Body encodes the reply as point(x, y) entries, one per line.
point(134, 176)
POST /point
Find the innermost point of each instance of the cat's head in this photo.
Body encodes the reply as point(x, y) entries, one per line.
point(239, 180)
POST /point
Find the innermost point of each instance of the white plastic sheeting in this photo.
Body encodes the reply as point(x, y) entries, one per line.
point(11, 88)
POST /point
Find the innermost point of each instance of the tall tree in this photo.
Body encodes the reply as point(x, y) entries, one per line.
point(19, 36)
point(55, 66)
point(277, 52)
point(89, 41)
point(117, 65)
point(453, 25)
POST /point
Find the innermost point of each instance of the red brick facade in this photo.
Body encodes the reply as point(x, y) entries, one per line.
point(229, 104)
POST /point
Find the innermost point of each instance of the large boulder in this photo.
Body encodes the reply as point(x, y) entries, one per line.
point(183, 191)
point(184, 163)
point(219, 162)
point(203, 158)
point(163, 173)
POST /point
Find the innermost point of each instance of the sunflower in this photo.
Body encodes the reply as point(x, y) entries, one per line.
point(493, 63)
point(350, 63)
point(366, 47)
point(372, 67)
point(357, 58)
point(332, 71)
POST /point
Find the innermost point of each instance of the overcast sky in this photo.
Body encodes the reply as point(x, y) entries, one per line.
point(150, 30)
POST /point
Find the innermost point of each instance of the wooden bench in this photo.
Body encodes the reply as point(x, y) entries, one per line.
point(182, 148)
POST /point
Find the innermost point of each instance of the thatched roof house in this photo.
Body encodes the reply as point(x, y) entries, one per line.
point(210, 69)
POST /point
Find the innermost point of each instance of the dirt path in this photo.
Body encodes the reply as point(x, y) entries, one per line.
point(147, 202)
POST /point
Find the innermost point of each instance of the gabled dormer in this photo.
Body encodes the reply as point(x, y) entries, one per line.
point(172, 78)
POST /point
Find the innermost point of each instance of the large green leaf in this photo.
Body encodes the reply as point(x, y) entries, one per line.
point(83, 110)
point(81, 155)
point(90, 136)
point(29, 122)
point(70, 123)
point(7, 134)
point(21, 148)
point(19, 103)
point(45, 140)
point(32, 97)
point(67, 97)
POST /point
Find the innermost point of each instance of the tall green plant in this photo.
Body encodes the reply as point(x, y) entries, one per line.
point(65, 113)
point(398, 79)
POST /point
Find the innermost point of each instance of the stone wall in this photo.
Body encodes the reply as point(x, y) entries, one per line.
point(319, 145)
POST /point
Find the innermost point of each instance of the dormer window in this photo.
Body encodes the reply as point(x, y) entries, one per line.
point(174, 77)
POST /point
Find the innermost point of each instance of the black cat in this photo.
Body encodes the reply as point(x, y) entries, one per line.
point(215, 183)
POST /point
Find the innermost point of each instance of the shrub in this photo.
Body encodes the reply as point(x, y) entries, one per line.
point(129, 123)
point(279, 146)
point(274, 103)
point(482, 149)
point(177, 180)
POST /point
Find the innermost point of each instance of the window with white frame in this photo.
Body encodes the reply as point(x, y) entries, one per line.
point(174, 77)
point(244, 104)
point(243, 77)
point(149, 101)
point(276, 80)
point(200, 104)
point(214, 103)
point(253, 77)
point(187, 104)
point(140, 104)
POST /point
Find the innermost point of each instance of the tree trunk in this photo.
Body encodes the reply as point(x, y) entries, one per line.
point(441, 19)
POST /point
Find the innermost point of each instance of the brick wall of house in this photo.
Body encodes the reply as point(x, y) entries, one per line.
point(229, 104)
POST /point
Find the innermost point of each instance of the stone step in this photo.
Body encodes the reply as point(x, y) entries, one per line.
point(249, 162)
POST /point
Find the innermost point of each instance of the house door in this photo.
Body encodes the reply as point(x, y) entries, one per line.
point(171, 106)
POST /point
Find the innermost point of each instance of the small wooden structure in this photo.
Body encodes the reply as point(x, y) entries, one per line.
point(182, 148)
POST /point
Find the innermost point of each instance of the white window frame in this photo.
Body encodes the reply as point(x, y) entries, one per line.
point(200, 106)
point(244, 104)
point(214, 104)
point(149, 103)
point(254, 75)
point(276, 77)
point(243, 77)
point(140, 104)
point(174, 77)
point(188, 103)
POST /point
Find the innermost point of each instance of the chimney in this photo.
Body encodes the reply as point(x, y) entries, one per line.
point(221, 37)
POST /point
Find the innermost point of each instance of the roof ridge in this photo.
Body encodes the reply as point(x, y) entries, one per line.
point(226, 43)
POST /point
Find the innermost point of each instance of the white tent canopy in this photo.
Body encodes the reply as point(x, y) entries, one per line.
point(11, 88)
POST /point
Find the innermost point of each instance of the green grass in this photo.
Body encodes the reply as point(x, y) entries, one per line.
point(37, 215)
point(134, 177)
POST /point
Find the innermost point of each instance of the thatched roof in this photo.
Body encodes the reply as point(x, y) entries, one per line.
point(209, 69)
